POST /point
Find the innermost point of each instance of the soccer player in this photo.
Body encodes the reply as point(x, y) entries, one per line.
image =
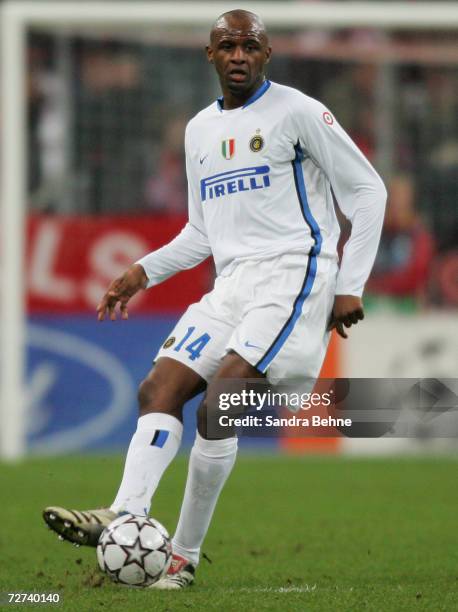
point(262, 162)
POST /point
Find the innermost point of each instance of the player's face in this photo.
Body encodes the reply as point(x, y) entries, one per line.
point(239, 50)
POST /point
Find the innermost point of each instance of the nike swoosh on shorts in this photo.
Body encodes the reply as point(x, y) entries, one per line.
point(249, 345)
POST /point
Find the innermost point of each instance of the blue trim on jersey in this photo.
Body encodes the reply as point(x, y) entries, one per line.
point(310, 273)
point(257, 94)
point(302, 193)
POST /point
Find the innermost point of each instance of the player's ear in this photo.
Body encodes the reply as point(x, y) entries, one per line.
point(209, 51)
point(268, 54)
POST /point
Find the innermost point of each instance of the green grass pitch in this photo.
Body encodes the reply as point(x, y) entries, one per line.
point(308, 533)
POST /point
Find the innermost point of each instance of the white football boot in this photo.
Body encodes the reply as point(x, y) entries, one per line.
point(179, 575)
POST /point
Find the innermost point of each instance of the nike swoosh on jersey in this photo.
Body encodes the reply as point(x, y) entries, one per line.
point(202, 159)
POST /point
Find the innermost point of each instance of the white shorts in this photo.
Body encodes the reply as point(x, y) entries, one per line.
point(273, 313)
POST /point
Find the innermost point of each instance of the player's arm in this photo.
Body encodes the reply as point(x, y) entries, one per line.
point(185, 251)
point(361, 196)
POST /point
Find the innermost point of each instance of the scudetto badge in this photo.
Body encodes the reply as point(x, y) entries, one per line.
point(169, 342)
point(228, 148)
point(256, 143)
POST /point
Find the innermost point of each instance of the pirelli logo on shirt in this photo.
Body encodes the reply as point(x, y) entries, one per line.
point(234, 181)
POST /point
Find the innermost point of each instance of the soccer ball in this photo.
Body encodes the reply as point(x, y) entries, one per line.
point(134, 550)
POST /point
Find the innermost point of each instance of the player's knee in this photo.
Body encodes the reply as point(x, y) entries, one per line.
point(147, 392)
point(208, 421)
point(202, 418)
point(159, 392)
point(154, 397)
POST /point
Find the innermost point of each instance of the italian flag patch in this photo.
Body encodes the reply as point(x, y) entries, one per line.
point(228, 148)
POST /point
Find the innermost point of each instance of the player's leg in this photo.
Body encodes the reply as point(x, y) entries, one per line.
point(162, 394)
point(161, 398)
point(188, 358)
point(210, 463)
point(282, 335)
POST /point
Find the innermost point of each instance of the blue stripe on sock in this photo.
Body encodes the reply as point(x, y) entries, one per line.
point(160, 438)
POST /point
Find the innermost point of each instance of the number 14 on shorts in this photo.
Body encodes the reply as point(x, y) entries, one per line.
point(194, 348)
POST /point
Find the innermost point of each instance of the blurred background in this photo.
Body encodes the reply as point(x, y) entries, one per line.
point(105, 183)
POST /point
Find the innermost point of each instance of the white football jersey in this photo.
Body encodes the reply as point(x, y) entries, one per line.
point(259, 184)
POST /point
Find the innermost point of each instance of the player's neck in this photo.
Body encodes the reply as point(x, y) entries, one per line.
point(232, 101)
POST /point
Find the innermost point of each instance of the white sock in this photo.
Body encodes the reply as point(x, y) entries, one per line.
point(152, 448)
point(210, 464)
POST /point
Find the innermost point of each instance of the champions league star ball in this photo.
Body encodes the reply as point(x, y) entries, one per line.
point(134, 550)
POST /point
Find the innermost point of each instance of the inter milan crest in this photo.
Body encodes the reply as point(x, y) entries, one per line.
point(257, 142)
point(169, 342)
point(228, 148)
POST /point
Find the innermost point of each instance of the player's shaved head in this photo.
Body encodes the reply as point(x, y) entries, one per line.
point(239, 21)
point(239, 49)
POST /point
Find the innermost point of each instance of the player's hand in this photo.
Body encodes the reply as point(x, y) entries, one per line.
point(121, 290)
point(347, 310)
